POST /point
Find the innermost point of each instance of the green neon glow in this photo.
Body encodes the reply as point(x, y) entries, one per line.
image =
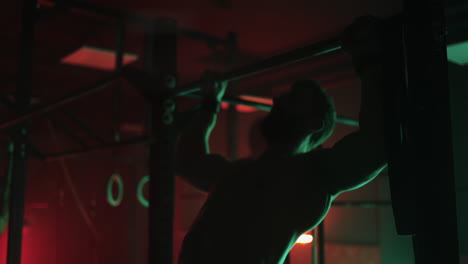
point(115, 178)
point(140, 196)
point(328, 50)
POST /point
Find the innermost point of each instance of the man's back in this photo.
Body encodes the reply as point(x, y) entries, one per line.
point(255, 212)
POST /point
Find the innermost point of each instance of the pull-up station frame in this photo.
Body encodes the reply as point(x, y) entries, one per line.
point(162, 140)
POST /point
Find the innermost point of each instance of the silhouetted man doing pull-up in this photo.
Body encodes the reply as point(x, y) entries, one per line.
point(289, 189)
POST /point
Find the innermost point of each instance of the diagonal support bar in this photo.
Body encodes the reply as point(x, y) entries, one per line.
point(58, 103)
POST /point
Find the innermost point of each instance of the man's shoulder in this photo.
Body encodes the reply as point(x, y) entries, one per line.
point(243, 161)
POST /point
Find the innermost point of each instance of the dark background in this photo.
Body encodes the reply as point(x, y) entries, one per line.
point(68, 219)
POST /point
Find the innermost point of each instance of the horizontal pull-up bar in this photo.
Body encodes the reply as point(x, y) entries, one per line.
point(291, 57)
point(58, 103)
point(266, 107)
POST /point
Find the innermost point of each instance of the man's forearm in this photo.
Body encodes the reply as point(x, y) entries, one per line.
point(194, 140)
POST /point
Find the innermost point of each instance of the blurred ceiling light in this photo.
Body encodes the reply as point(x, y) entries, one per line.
point(458, 53)
point(305, 239)
point(96, 58)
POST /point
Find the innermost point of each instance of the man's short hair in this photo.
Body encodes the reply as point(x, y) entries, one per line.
point(324, 107)
point(281, 128)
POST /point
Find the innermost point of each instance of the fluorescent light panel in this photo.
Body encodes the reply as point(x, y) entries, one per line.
point(458, 53)
point(97, 58)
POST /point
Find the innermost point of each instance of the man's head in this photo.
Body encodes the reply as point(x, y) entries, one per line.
point(304, 112)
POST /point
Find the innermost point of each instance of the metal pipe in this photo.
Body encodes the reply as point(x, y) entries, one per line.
point(233, 115)
point(72, 6)
point(161, 62)
point(19, 148)
point(70, 115)
point(314, 246)
point(67, 131)
point(266, 107)
point(210, 40)
point(294, 56)
point(110, 146)
point(117, 90)
point(35, 151)
point(321, 243)
point(58, 103)
point(363, 204)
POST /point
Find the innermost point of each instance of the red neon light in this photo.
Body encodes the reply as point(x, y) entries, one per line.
point(249, 109)
point(96, 58)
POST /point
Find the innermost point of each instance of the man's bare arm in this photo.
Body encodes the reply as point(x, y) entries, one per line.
point(195, 163)
point(361, 156)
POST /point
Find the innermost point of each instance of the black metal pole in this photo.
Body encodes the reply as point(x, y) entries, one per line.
point(321, 243)
point(266, 107)
point(20, 150)
point(72, 116)
point(233, 115)
point(35, 151)
point(109, 146)
point(294, 56)
point(86, 8)
point(66, 131)
point(314, 246)
point(161, 62)
point(117, 89)
point(429, 131)
point(29, 114)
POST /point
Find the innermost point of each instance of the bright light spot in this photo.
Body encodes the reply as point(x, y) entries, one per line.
point(305, 239)
point(97, 58)
point(458, 53)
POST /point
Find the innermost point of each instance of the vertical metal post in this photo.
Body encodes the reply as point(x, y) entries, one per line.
point(116, 91)
point(429, 131)
point(20, 150)
point(161, 62)
point(233, 115)
point(314, 246)
point(321, 243)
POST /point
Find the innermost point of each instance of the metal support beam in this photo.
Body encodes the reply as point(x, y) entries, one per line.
point(117, 89)
point(41, 110)
point(110, 146)
point(126, 17)
point(67, 132)
point(314, 247)
point(20, 150)
point(321, 243)
point(72, 116)
point(288, 58)
point(429, 132)
point(35, 151)
point(161, 62)
point(266, 107)
point(233, 115)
